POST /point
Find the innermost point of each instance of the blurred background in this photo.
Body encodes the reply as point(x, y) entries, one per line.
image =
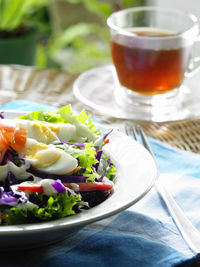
point(69, 35)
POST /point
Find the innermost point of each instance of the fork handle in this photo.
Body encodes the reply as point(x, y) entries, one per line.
point(190, 234)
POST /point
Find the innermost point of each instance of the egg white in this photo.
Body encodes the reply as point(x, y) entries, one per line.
point(48, 158)
point(63, 165)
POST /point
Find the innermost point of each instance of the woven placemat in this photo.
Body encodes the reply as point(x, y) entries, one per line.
point(184, 134)
point(54, 87)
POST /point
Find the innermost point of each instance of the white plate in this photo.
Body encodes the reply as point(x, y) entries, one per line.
point(136, 175)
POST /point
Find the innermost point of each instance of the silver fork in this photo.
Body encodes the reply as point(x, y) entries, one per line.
point(189, 233)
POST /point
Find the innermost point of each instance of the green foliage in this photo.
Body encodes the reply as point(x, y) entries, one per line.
point(70, 34)
point(78, 47)
point(102, 8)
point(83, 45)
point(17, 13)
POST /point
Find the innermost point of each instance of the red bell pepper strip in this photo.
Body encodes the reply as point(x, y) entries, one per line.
point(91, 186)
point(106, 141)
point(31, 188)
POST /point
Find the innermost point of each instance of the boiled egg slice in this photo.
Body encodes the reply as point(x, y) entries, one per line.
point(48, 158)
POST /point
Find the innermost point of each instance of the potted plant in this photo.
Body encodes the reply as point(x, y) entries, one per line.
point(18, 33)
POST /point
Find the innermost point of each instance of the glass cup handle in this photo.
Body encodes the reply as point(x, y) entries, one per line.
point(194, 65)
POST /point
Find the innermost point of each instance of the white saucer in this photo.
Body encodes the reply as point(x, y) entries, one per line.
point(96, 89)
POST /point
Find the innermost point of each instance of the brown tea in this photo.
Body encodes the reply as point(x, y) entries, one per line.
point(148, 71)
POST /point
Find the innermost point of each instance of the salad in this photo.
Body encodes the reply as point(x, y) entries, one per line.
point(52, 165)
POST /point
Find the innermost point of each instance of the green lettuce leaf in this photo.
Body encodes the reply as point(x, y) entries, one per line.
point(63, 114)
point(88, 158)
point(111, 173)
point(57, 206)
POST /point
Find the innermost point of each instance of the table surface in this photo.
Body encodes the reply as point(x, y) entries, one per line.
point(54, 87)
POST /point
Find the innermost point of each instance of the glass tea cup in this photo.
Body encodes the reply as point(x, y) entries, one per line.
point(151, 49)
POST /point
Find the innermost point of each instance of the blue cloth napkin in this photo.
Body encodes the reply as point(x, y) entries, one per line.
point(143, 235)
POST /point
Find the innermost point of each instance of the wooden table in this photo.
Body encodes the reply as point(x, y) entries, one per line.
point(53, 87)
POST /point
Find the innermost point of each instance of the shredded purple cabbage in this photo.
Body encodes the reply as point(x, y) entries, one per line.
point(10, 180)
point(63, 178)
point(109, 162)
point(12, 197)
point(10, 201)
point(103, 139)
point(94, 197)
point(100, 179)
point(98, 157)
point(73, 144)
point(106, 135)
point(99, 154)
point(58, 186)
point(21, 196)
point(9, 156)
point(1, 115)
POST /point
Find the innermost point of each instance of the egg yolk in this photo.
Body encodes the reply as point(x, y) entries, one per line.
point(44, 132)
point(34, 148)
point(41, 155)
point(45, 158)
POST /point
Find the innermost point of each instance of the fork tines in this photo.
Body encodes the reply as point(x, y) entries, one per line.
point(132, 131)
